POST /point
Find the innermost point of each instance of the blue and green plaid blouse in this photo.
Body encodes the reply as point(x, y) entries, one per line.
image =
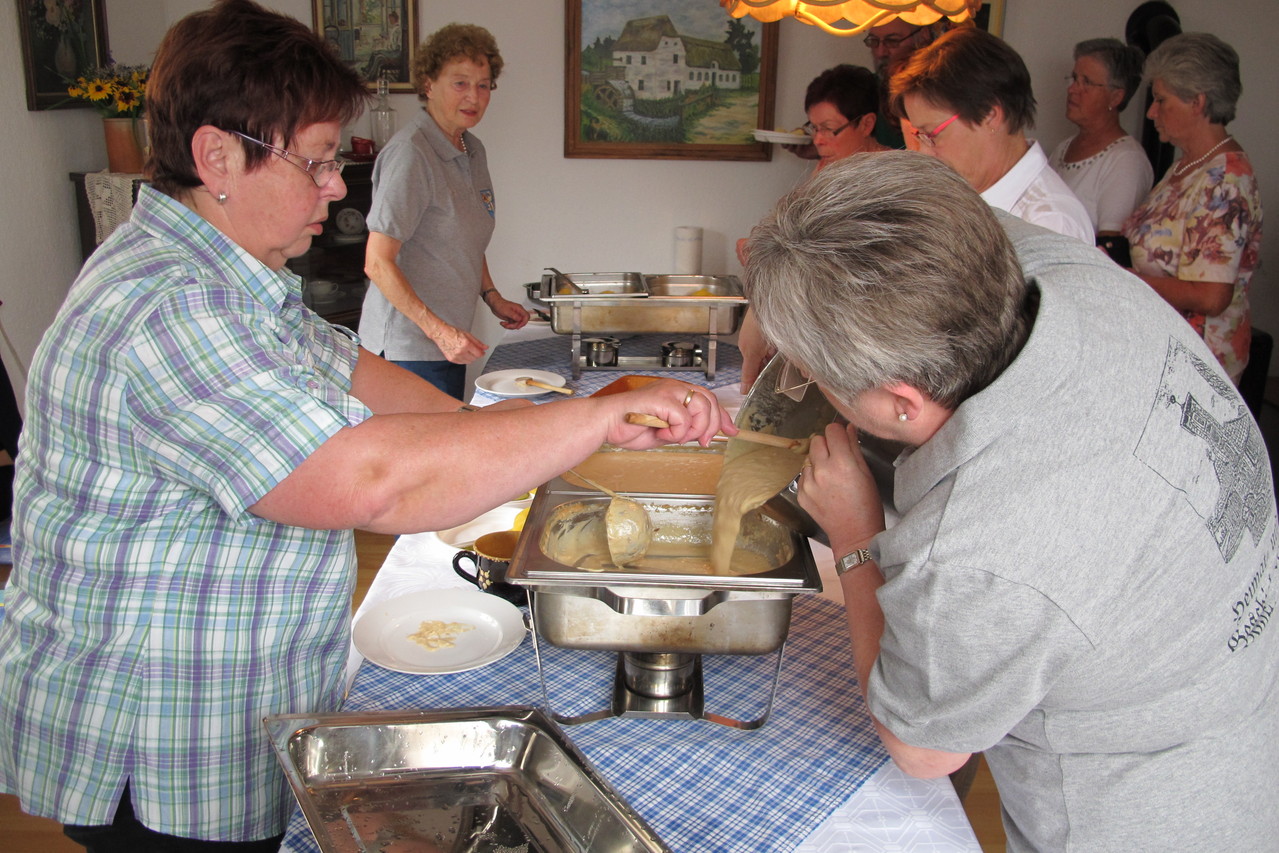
point(152, 621)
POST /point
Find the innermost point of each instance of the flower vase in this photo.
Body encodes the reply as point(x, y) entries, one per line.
point(123, 152)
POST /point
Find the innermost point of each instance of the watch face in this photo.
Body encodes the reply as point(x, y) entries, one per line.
point(349, 220)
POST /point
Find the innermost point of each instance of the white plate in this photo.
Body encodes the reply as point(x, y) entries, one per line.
point(464, 535)
point(503, 384)
point(782, 137)
point(382, 632)
point(349, 221)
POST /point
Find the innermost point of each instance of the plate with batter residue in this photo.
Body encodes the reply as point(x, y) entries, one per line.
point(438, 631)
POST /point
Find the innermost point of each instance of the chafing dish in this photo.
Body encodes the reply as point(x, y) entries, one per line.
point(663, 613)
point(467, 779)
point(632, 304)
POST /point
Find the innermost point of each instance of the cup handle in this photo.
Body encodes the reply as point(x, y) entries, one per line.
point(463, 573)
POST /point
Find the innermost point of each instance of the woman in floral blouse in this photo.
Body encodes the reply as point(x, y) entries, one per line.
point(1197, 237)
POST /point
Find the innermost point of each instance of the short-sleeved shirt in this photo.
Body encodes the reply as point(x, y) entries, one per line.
point(1110, 183)
point(1082, 580)
point(152, 620)
point(1032, 191)
point(439, 203)
point(1205, 225)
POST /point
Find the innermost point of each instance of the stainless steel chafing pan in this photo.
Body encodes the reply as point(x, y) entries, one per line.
point(467, 779)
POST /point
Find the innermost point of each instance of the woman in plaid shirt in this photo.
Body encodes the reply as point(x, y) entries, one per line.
point(199, 446)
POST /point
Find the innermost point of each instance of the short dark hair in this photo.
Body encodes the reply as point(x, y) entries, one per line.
point(851, 89)
point(1122, 62)
point(971, 72)
point(450, 42)
point(240, 67)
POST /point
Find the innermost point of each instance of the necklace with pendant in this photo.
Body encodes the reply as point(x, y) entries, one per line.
point(1183, 168)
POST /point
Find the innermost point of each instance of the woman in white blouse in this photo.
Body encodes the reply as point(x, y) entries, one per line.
point(1105, 167)
point(966, 99)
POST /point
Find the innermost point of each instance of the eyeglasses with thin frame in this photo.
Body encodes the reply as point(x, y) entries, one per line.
point(814, 129)
point(792, 382)
point(929, 137)
point(321, 171)
point(1079, 79)
point(890, 42)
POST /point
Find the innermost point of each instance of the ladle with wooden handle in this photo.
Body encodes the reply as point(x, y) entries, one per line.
point(626, 524)
point(641, 419)
point(537, 383)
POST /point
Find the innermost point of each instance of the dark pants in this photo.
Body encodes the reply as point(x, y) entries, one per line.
point(126, 835)
point(445, 375)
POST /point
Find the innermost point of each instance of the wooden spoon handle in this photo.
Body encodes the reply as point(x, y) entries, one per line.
point(537, 383)
point(641, 419)
point(593, 484)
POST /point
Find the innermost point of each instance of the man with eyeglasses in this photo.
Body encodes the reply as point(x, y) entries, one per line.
point(891, 45)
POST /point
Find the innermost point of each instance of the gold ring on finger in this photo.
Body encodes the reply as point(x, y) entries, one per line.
point(688, 398)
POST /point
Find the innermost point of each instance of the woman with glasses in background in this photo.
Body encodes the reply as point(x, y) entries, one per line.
point(967, 100)
point(432, 216)
point(1105, 167)
point(842, 104)
point(199, 446)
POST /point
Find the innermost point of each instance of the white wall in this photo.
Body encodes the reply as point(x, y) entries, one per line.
point(580, 214)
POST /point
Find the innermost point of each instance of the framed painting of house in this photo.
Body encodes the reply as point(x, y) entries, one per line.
point(666, 80)
point(374, 38)
point(61, 40)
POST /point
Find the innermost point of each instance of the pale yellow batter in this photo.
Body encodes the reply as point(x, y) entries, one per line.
point(752, 474)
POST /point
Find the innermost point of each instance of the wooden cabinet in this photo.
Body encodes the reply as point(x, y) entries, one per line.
point(338, 256)
point(335, 255)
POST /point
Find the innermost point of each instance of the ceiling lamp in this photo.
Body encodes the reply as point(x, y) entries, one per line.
point(850, 17)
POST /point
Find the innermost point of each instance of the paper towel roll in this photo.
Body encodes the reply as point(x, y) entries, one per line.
point(688, 250)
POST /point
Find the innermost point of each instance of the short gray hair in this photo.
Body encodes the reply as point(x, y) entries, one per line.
point(1199, 63)
point(887, 268)
point(1122, 63)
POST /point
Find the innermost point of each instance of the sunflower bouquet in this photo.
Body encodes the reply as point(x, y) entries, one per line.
point(118, 91)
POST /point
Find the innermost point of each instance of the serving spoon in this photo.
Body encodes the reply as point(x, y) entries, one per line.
point(626, 524)
point(537, 383)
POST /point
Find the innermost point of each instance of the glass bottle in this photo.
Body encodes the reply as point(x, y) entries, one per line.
point(382, 116)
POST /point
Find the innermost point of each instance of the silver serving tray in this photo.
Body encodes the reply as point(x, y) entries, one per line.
point(466, 779)
point(631, 303)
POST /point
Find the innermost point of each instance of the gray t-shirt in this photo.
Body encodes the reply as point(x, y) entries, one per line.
point(1082, 579)
point(438, 202)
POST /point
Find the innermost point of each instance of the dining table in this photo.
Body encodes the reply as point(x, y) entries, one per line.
point(814, 778)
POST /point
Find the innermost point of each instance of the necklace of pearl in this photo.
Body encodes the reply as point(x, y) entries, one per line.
point(1183, 168)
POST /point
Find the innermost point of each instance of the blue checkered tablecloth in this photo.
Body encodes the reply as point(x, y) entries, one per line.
point(703, 787)
point(555, 355)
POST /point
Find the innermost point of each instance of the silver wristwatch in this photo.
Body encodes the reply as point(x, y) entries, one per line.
point(848, 562)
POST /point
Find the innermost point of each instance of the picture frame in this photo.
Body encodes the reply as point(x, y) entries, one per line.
point(372, 38)
point(990, 17)
point(61, 40)
point(666, 80)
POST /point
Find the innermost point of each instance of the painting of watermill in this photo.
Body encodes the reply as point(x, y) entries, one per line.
point(666, 79)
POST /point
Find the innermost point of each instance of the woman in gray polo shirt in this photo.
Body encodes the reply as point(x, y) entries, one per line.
point(432, 218)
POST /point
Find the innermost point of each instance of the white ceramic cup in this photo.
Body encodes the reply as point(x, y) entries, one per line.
point(320, 287)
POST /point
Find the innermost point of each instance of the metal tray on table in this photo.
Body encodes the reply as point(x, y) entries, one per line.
point(466, 779)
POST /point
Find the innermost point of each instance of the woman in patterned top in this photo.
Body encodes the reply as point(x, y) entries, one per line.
point(1196, 239)
point(1102, 164)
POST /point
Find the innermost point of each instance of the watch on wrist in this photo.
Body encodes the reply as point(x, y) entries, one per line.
point(850, 561)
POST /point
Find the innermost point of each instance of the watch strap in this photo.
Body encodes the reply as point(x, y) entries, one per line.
point(850, 561)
